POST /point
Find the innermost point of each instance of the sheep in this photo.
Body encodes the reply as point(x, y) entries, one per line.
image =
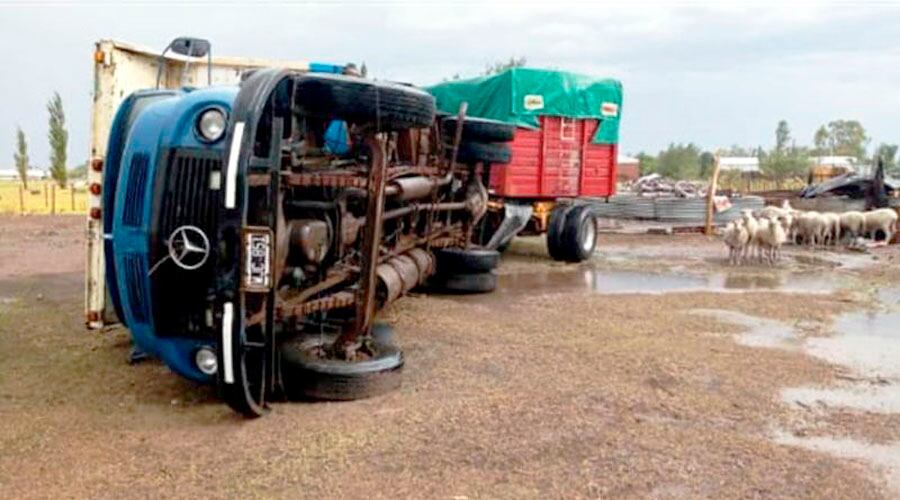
point(770, 236)
point(751, 224)
point(853, 223)
point(832, 231)
point(884, 220)
point(736, 237)
point(811, 226)
point(771, 212)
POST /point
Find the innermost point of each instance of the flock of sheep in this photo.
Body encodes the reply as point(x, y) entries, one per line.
point(765, 231)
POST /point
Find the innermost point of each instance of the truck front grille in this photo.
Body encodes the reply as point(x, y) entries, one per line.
point(136, 277)
point(133, 211)
point(187, 195)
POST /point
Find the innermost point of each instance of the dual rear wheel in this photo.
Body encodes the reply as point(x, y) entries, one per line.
point(571, 233)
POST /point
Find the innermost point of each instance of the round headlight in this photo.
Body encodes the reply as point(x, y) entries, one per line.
point(211, 124)
point(205, 358)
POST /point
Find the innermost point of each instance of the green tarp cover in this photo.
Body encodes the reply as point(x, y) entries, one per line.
point(520, 95)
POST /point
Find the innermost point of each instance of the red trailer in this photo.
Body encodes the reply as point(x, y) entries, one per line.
point(561, 159)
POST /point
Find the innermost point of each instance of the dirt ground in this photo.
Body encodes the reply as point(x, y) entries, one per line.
point(543, 389)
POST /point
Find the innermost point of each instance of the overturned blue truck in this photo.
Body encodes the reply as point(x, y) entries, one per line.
point(252, 232)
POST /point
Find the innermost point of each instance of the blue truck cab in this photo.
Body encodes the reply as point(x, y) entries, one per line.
point(162, 190)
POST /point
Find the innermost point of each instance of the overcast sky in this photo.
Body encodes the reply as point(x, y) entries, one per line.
point(715, 74)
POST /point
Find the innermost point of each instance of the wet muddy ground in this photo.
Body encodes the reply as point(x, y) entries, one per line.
point(653, 371)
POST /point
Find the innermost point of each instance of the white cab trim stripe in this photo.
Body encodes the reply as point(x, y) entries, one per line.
point(227, 325)
point(231, 175)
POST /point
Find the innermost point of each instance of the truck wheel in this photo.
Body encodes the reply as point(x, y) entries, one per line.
point(391, 106)
point(555, 227)
point(480, 129)
point(579, 236)
point(488, 152)
point(462, 260)
point(465, 283)
point(307, 376)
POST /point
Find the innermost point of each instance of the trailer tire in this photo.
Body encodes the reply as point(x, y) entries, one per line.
point(306, 376)
point(390, 106)
point(488, 152)
point(466, 260)
point(579, 235)
point(555, 227)
point(480, 129)
point(464, 283)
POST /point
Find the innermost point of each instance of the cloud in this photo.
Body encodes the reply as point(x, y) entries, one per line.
point(716, 73)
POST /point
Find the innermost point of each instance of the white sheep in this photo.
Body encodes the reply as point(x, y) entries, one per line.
point(832, 232)
point(884, 220)
point(811, 226)
point(736, 237)
point(853, 223)
point(770, 236)
point(751, 224)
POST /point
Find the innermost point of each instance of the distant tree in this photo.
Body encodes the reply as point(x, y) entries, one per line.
point(647, 163)
point(888, 154)
point(21, 156)
point(501, 66)
point(59, 139)
point(782, 136)
point(707, 163)
point(822, 142)
point(679, 161)
point(79, 172)
point(841, 138)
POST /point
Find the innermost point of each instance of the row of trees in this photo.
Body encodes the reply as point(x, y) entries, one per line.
point(58, 137)
point(785, 160)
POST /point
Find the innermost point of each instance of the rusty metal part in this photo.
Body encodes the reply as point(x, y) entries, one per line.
point(370, 248)
point(310, 240)
point(413, 188)
point(351, 177)
point(403, 273)
point(427, 207)
point(334, 301)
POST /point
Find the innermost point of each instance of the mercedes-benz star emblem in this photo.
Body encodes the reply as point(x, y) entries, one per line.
point(188, 247)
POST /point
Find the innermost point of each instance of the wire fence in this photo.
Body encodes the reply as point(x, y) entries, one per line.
point(42, 197)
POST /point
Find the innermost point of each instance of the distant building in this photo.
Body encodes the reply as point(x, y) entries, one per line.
point(629, 168)
point(10, 174)
point(743, 164)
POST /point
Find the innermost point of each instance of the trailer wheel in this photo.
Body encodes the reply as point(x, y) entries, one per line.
point(389, 105)
point(466, 260)
point(555, 227)
point(480, 129)
point(579, 235)
point(488, 152)
point(464, 283)
point(307, 376)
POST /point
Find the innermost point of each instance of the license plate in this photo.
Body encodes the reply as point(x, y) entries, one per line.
point(257, 260)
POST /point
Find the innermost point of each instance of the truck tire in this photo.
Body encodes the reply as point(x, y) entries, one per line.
point(307, 376)
point(465, 283)
point(488, 152)
point(555, 227)
point(579, 235)
point(462, 260)
point(390, 106)
point(480, 129)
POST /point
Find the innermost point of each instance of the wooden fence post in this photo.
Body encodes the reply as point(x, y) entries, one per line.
point(709, 197)
point(46, 199)
point(21, 200)
point(53, 199)
point(72, 196)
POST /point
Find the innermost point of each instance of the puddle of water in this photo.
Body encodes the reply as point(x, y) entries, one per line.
point(869, 343)
point(871, 398)
point(885, 457)
point(889, 296)
point(622, 282)
point(761, 332)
